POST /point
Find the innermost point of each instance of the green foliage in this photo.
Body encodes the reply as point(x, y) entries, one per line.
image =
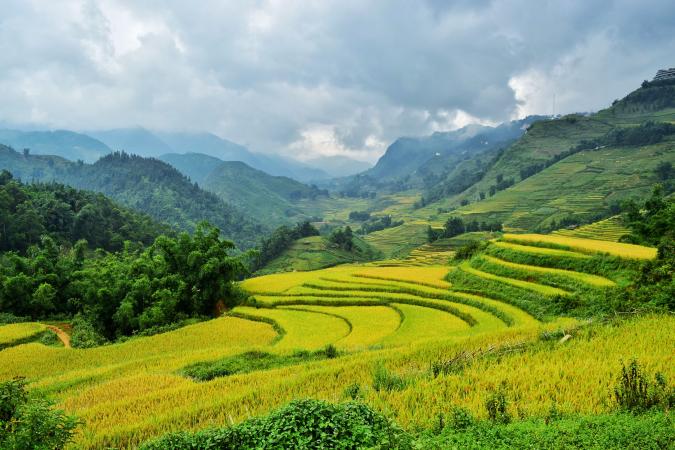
point(119, 294)
point(342, 238)
point(280, 240)
point(359, 216)
point(468, 250)
point(252, 361)
point(84, 335)
point(378, 224)
point(635, 392)
point(497, 407)
point(30, 422)
point(353, 391)
point(602, 432)
point(384, 380)
point(67, 215)
point(302, 424)
point(460, 418)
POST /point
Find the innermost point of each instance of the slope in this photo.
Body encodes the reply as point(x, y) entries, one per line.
point(145, 184)
point(576, 165)
point(272, 199)
point(67, 144)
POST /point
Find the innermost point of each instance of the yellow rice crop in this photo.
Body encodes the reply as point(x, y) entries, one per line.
point(125, 411)
point(305, 330)
point(420, 324)
point(370, 324)
point(587, 245)
point(539, 250)
point(18, 331)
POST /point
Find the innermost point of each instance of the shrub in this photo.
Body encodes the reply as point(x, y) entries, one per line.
point(469, 249)
point(353, 391)
point(84, 334)
point(302, 424)
point(634, 391)
point(330, 351)
point(496, 406)
point(460, 418)
point(384, 380)
point(30, 422)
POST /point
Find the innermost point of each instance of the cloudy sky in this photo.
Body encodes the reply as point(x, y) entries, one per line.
point(306, 78)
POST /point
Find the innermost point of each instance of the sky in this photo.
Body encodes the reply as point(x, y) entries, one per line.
point(310, 78)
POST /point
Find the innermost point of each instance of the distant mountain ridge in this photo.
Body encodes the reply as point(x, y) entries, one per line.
point(67, 144)
point(271, 199)
point(407, 154)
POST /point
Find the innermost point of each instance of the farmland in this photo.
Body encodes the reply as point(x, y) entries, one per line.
point(373, 313)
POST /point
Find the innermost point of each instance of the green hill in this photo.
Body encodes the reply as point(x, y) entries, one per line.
point(315, 252)
point(30, 211)
point(272, 199)
point(68, 144)
point(572, 166)
point(145, 184)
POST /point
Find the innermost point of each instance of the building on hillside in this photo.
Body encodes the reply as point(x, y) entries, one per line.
point(665, 74)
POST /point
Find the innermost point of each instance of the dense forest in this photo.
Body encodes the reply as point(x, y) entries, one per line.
point(118, 294)
point(144, 184)
point(67, 215)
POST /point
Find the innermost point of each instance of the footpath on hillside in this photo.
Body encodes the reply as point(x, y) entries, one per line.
point(61, 334)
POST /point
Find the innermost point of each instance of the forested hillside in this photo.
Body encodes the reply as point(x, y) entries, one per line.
point(145, 184)
point(30, 211)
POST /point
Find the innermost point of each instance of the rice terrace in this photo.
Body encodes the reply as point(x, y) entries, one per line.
point(427, 272)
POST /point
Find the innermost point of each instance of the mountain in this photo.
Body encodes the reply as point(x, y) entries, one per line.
point(339, 166)
point(208, 144)
point(146, 143)
point(138, 141)
point(271, 199)
point(574, 168)
point(196, 166)
point(145, 184)
point(68, 144)
point(407, 154)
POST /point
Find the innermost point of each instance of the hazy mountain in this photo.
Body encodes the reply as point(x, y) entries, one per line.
point(138, 141)
point(68, 144)
point(407, 154)
point(196, 166)
point(339, 166)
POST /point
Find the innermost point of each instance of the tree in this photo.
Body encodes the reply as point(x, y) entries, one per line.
point(454, 226)
point(664, 170)
point(31, 422)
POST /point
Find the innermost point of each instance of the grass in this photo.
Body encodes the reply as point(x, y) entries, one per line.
point(585, 278)
point(304, 329)
point(20, 333)
point(540, 288)
point(610, 229)
point(370, 324)
point(422, 324)
point(584, 245)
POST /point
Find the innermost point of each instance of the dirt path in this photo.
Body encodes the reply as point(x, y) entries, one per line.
point(61, 334)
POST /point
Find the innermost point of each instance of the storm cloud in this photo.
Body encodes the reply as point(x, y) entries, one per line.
point(305, 78)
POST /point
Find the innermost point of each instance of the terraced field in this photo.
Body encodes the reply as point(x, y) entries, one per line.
point(610, 229)
point(407, 317)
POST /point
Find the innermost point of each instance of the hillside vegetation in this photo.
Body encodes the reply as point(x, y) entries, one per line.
point(144, 184)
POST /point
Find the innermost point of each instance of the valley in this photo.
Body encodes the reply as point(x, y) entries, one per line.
point(484, 282)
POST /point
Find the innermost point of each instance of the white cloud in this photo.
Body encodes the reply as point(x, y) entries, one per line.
point(329, 77)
